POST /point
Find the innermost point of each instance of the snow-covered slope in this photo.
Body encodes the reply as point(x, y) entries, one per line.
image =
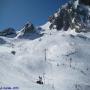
point(61, 58)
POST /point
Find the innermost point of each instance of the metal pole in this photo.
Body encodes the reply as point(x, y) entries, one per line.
point(45, 55)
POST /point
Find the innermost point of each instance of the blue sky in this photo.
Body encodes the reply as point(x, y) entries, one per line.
point(15, 13)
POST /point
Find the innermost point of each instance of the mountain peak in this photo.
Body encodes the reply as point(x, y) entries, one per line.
point(72, 15)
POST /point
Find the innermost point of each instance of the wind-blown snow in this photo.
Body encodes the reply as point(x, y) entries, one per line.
point(61, 58)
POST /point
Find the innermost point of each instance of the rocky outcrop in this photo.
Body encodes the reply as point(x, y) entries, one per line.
point(71, 16)
point(62, 20)
point(2, 41)
point(8, 31)
point(28, 32)
point(85, 2)
point(28, 28)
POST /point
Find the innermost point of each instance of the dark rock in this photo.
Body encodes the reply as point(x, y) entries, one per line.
point(59, 23)
point(77, 30)
point(62, 20)
point(71, 17)
point(2, 41)
point(72, 36)
point(85, 2)
point(82, 36)
point(51, 18)
point(8, 31)
point(30, 32)
point(39, 81)
point(28, 28)
point(13, 52)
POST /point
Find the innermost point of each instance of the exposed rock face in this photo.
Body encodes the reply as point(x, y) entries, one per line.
point(8, 31)
point(27, 32)
point(2, 41)
point(86, 2)
point(71, 16)
point(28, 28)
point(63, 18)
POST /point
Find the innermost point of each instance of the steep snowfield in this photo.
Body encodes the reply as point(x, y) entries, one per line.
point(61, 58)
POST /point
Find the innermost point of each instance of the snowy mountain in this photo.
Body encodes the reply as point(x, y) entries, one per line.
point(43, 58)
point(71, 15)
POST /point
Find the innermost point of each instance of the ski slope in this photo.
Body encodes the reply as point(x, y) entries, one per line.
point(61, 58)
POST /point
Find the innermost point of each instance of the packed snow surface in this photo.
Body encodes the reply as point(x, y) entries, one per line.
point(61, 58)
